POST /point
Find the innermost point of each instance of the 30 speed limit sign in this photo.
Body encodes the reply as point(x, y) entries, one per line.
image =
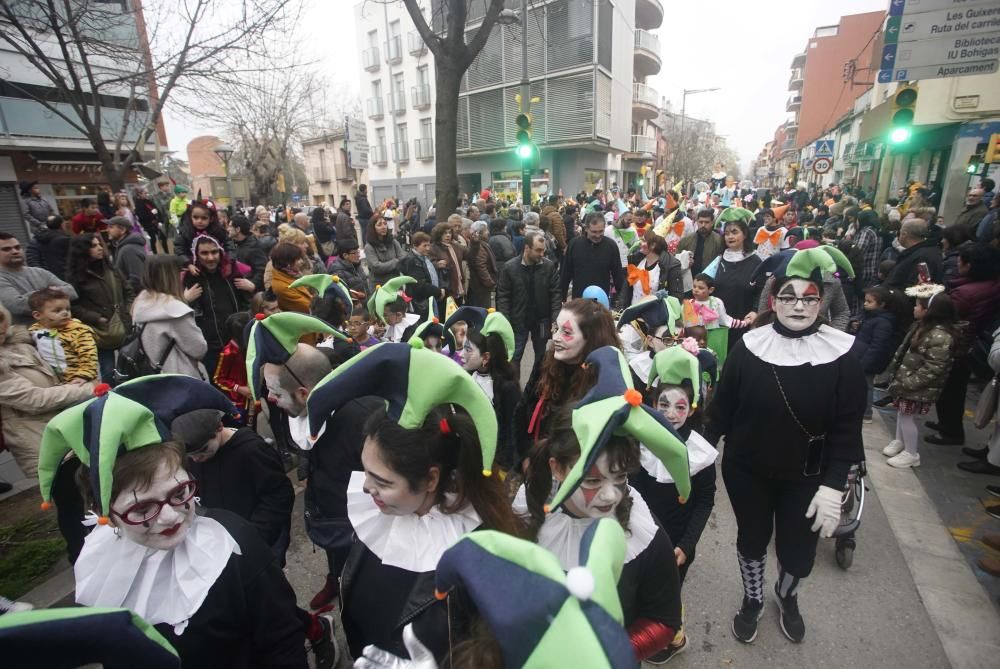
point(822, 165)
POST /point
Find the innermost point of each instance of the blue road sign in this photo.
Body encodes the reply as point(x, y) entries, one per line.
point(824, 148)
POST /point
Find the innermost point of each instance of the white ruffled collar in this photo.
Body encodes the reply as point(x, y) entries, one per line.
point(561, 533)
point(701, 454)
point(729, 255)
point(819, 348)
point(160, 586)
point(414, 543)
point(298, 429)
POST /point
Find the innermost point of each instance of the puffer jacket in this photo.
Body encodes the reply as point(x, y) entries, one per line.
point(167, 318)
point(383, 260)
point(919, 371)
point(30, 396)
point(876, 341)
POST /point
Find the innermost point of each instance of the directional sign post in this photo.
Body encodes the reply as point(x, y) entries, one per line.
point(931, 39)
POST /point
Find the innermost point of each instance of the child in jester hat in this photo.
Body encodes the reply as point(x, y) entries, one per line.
point(646, 328)
point(358, 327)
point(591, 454)
point(389, 305)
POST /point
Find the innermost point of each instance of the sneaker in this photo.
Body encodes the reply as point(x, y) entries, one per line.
point(882, 402)
point(330, 591)
point(977, 453)
point(904, 460)
point(325, 647)
point(993, 490)
point(895, 447)
point(668, 653)
point(10, 606)
point(745, 621)
point(791, 620)
point(5, 487)
point(993, 510)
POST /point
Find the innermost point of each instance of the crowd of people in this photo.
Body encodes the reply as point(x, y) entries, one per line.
point(165, 361)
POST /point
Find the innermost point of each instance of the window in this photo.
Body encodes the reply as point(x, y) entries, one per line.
point(394, 29)
point(426, 128)
point(401, 134)
point(397, 83)
point(377, 88)
point(422, 77)
point(380, 137)
point(373, 38)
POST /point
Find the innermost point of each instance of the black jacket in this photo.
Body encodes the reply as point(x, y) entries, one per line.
point(528, 294)
point(671, 278)
point(876, 341)
point(130, 259)
point(352, 275)
point(589, 264)
point(247, 477)
point(251, 253)
point(413, 265)
point(683, 523)
point(53, 247)
point(905, 273)
point(363, 206)
point(219, 300)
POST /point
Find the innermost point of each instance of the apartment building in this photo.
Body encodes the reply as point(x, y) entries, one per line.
point(330, 179)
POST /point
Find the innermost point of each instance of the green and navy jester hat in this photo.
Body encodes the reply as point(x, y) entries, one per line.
point(674, 365)
point(329, 288)
point(661, 310)
point(273, 339)
point(809, 264)
point(133, 415)
point(413, 381)
point(541, 616)
point(431, 326)
point(733, 214)
point(487, 322)
point(76, 637)
point(387, 294)
point(613, 407)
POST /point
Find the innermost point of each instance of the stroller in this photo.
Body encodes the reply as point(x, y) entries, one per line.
point(852, 505)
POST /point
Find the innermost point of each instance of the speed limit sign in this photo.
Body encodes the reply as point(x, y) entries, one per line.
point(822, 165)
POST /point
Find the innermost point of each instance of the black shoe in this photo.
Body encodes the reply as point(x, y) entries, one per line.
point(883, 385)
point(979, 467)
point(993, 510)
point(944, 440)
point(791, 621)
point(883, 402)
point(993, 490)
point(325, 648)
point(931, 425)
point(745, 622)
point(977, 453)
point(5, 487)
point(668, 653)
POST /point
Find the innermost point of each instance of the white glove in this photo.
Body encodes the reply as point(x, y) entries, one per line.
point(376, 658)
point(825, 506)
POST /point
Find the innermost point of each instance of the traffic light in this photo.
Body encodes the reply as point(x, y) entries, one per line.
point(993, 149)
point(973, 166)
point(525, 147)
point(904, 104)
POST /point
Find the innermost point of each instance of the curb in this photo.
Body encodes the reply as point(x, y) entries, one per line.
point(959, 608)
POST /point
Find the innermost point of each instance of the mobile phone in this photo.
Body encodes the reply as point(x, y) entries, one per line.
point(814, 456)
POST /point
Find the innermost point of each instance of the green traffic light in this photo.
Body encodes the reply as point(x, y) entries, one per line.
point(899, 135)
point(972, 168)
point(524, 151)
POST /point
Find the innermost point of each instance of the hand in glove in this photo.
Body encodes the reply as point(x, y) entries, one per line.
point(376, 658)
point(825, 506)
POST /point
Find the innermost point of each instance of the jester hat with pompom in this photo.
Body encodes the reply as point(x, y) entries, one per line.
point(540, 615)
point(431, 326)
point(413, 381)
point(675, 365)
point(486, 322)
point(809, 264)
point(273, 339)
point(387, 293)
point(329, 288)
point(661, 310)
point(614, 407)
point(135, 414)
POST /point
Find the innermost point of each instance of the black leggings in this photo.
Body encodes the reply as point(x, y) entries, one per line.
point(763, 505)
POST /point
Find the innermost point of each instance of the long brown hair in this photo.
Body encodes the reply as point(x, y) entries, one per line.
point(561, 383)
point(162, 275)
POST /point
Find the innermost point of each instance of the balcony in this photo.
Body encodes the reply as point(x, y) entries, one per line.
point(795, 82)
point(370, 59)
point(648, 14)
point(794, 103)
point(376, 155)
point(394, 50)
point(375, 108)
point(799, 60)
point(646, 56)
point(421, 96)
point(415, 44)
point(397, 102)
point(645, 102)
point(320, 175)
point(643, 145)
point(424, 148)
point(400, 152)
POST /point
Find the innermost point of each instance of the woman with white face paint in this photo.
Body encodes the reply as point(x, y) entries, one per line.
point(789, 404)
point(592, 472)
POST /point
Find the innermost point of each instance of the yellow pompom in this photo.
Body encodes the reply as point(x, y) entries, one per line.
point(377, 286)
point(487, 472)
point(336, 278)
point(491, 310)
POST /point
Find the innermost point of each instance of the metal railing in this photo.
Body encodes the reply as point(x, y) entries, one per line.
point(401, 152)
point(646, 95)
point(370, 59)
point(375, 108)
point(424, 148)
point(376, 155)
point(421, 96)
point(415, 43)
point(647, 41)
point(394, 50)
point(643, 144)
point(397, 102)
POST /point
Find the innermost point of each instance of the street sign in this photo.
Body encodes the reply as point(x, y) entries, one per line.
point(356, 143)
point(942, 23)
point(824, 148)
point(910, 7)
point(822, 165)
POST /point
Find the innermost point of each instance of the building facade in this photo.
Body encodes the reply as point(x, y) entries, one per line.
point(330, 178)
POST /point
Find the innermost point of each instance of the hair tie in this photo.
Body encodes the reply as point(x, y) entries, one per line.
point(444, 427)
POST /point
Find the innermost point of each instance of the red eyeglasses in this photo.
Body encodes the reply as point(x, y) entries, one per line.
point(143, 512)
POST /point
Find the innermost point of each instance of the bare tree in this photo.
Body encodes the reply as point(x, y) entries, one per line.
point(453, 55)
point(110, 68)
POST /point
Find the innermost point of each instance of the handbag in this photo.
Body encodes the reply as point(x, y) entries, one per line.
point(987, 406)
point(113, 334)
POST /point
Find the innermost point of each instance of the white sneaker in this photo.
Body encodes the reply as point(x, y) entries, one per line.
point(904, 460)
point(895, 447)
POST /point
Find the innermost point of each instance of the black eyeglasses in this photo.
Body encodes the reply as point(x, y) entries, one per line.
point(789, 300)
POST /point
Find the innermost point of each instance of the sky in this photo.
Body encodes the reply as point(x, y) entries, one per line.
point(744, 49)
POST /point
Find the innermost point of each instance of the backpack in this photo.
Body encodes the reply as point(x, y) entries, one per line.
point(133, 361)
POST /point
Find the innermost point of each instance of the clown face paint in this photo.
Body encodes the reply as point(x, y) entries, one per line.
point(660, 340)
point(389, 490)
point(568, 341)
point(472, 357)
point(168, 529)
point(600, 491)
point(797, 304)
point(674, 405)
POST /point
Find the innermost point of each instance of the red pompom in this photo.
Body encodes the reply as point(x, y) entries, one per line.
point(260, 317)
point(633, 397)
point(440, 596)
point(435, 320)
point(46, 505)
point(101, 389)
point(443, 425)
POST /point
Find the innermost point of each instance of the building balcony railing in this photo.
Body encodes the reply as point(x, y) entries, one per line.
point(645, 101)
point(370, 60)
point(397, 102)
point(421, 96)
point(401, 152)
point(648, 14)
point(415, 43)
point(647, 53)
point(320, 175)
point(794, 103)
point(376, 155)
point(643, 144)
point(795, 82)
point(423, 148)
point(799, 59)
point(375, 108)
point(394, 50)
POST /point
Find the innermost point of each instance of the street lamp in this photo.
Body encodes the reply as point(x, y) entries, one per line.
point(225, 152)
point(687, 92)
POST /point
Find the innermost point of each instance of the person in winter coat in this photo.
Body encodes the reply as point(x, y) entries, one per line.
point(34, 208)
point(343, 229)
point(364, 208)
point(323, 231)
point(129, 251)
point(53, 245)
point(105, 297)
point(528, 295)
point(877, 338)
point(974, 210)
point(500, 243)
point(447, 256)
point(991, 465)
point(953, 240)
point(169, 331)
point(652, 269)
point(919, 369)
point(417, 265)
point(30, 394)
point(918, 250)
point(483, 272)
point(382, 253)
point(348, 267)
point(150, 218)
point(248, 249)
point(557, 226)
point(201, 218)
point(285, 262)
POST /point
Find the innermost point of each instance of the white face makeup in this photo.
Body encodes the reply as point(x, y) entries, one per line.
point(600, 491)
point(168, 529)
point(281, 397)
point(797, 304)
point(674, 405)
point(388, 489)
point(656, 343)
point(472, 357)
point(567, 341)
